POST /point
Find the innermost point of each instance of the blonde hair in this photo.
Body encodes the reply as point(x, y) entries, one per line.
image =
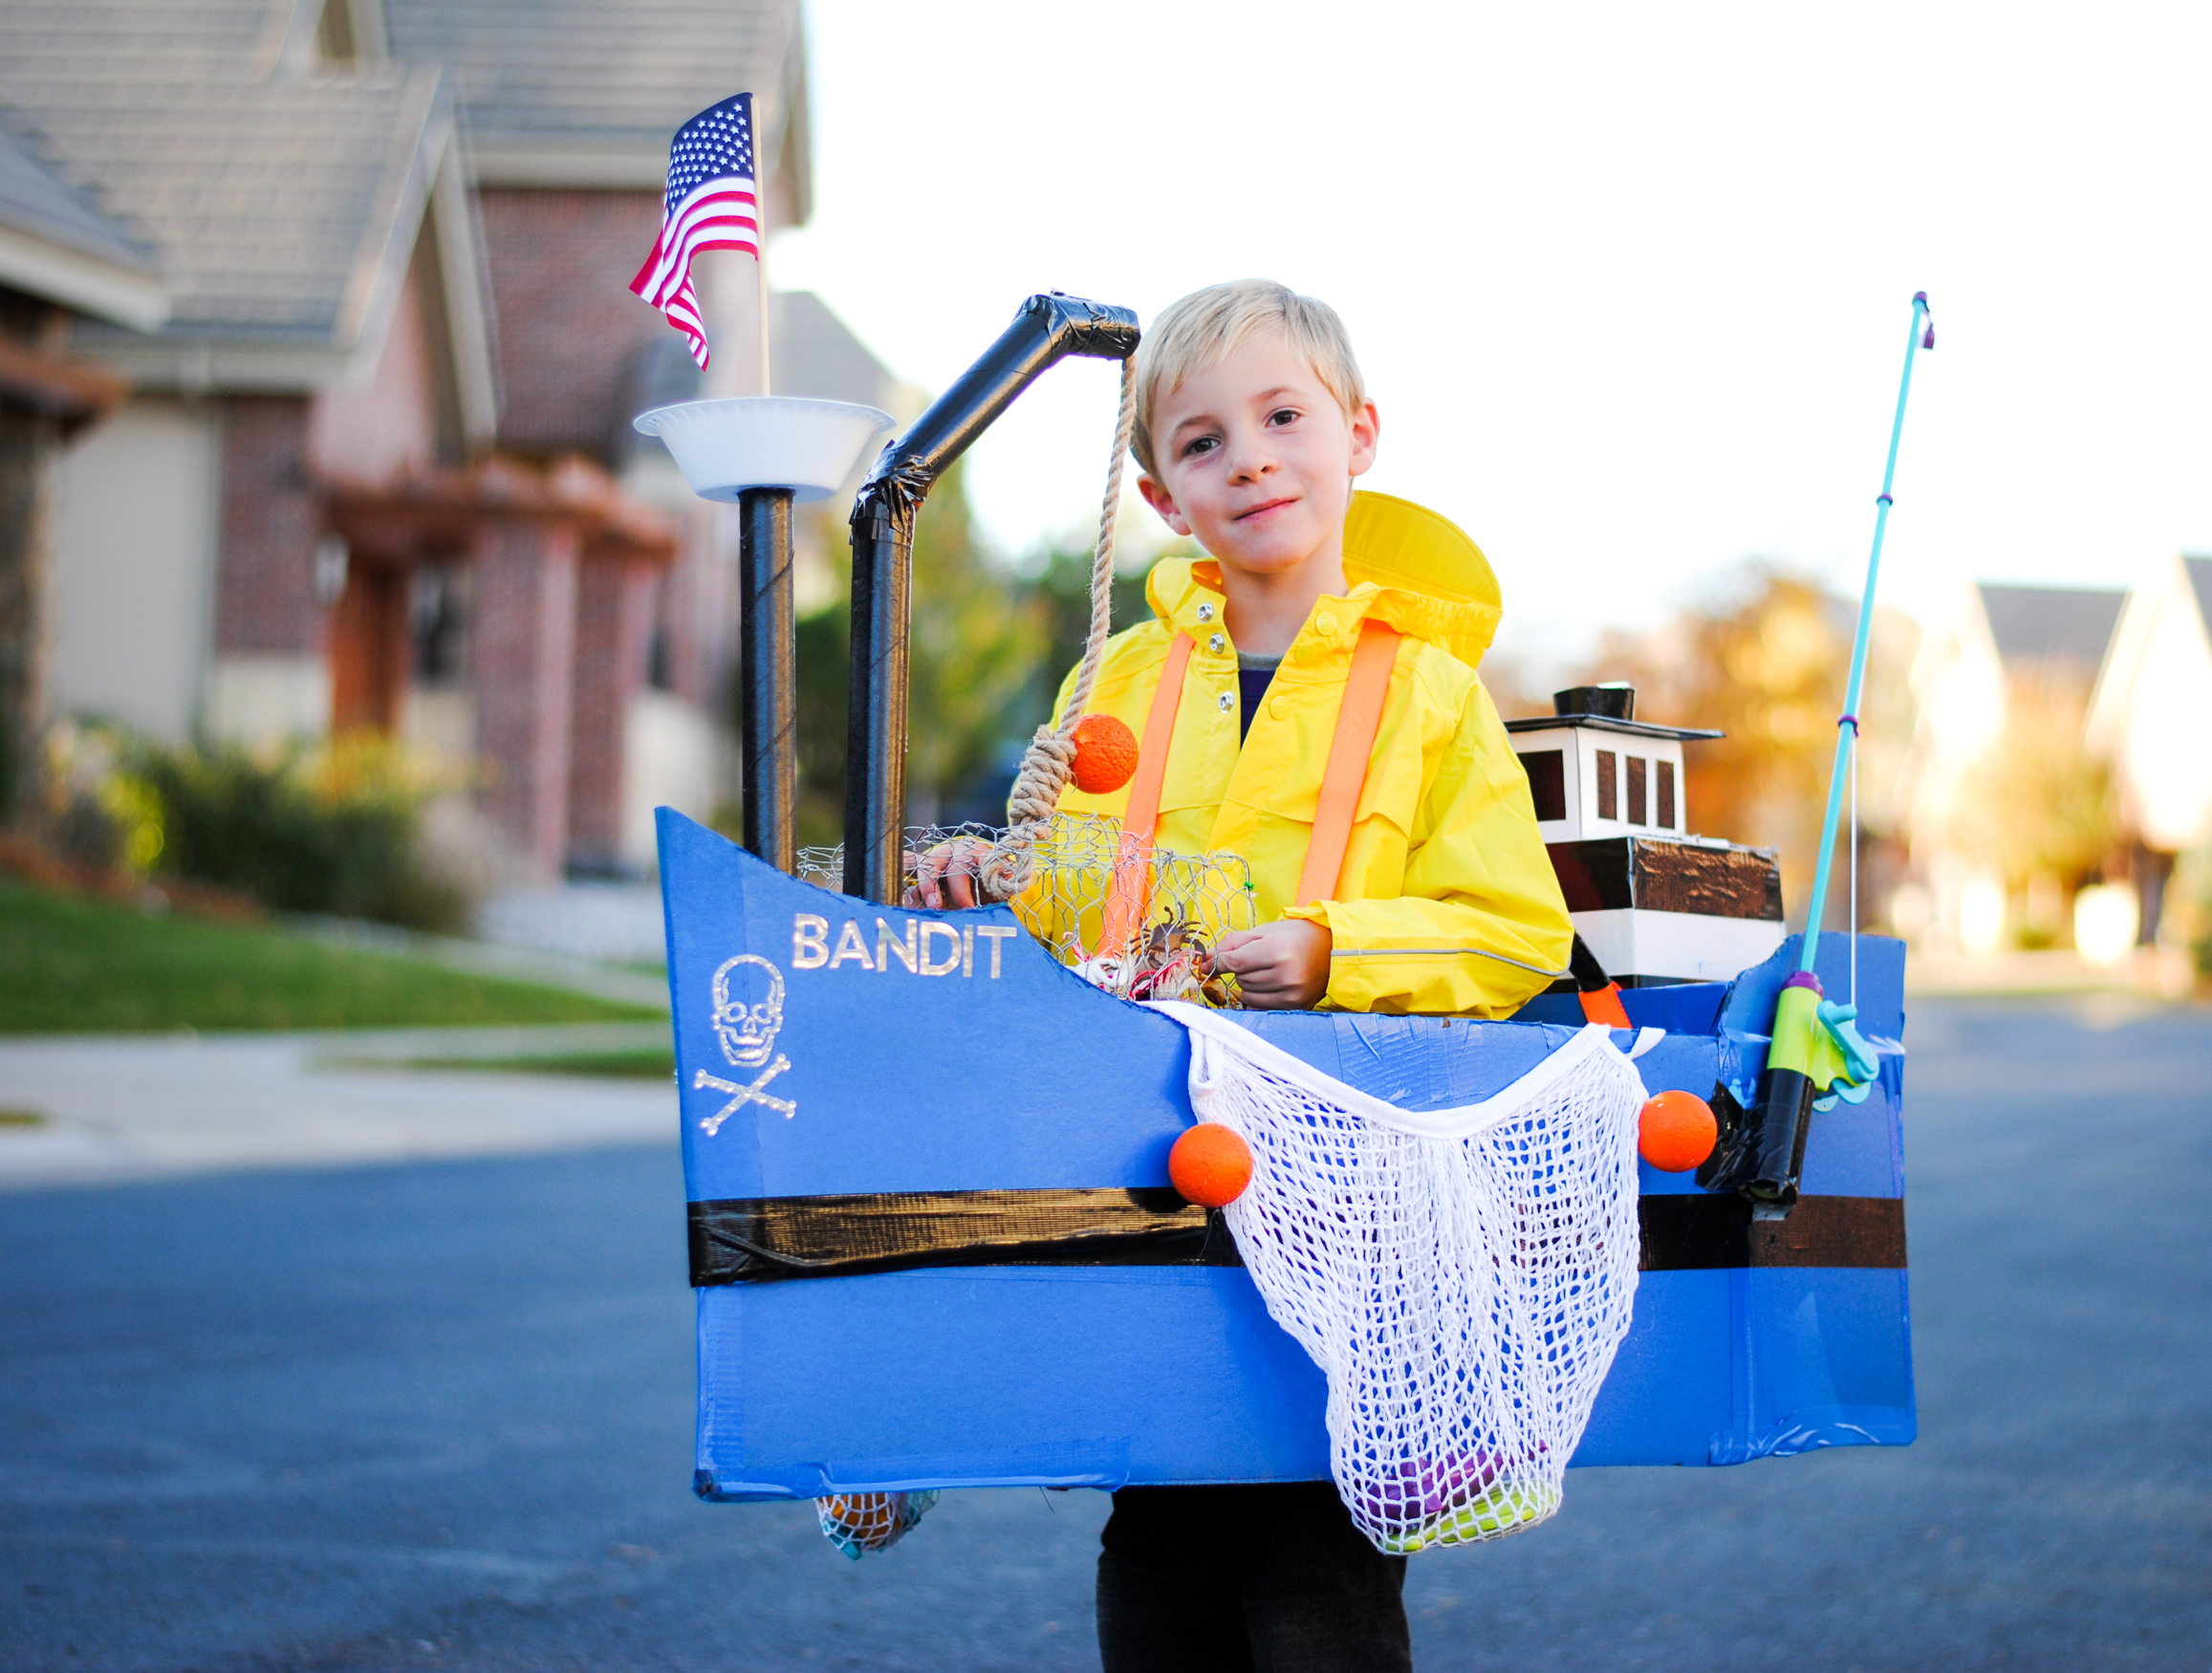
point(1207, 326)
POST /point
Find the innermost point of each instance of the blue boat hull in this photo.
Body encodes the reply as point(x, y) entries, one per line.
point(960, 1058)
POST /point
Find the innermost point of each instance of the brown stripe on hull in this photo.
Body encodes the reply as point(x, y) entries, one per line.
point(766, 1239)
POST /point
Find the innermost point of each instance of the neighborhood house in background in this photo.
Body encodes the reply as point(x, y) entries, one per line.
point(316, 367)
point(375, 468)
point(2057, 752)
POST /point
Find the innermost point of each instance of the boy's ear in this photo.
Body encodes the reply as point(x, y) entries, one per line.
point(1366, 434)
point(1163, 502)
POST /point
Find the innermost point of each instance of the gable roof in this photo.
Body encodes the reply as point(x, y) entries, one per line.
point(54, 244)
point(2051, 625)
point(282, 209)
point(584, 93)
point(2199, 573)
point(817, 355)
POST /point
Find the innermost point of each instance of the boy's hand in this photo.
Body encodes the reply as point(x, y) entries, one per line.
point(945, 874)
point(1283, 965)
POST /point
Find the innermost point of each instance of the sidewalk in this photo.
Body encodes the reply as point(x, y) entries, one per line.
point(2164, 973)
point(129, 1107)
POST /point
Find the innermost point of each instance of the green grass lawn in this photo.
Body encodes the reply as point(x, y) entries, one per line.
point(648, 1063)
point(71, 964)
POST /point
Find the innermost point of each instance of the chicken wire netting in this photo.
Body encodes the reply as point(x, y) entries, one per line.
point(1176, 908)
point(1463, 1279)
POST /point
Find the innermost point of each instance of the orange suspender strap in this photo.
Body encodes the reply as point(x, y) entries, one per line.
point(1129, 896)
point(1357, 720)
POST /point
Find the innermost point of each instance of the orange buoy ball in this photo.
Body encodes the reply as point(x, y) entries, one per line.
point(1676, 1131)
point(1210, 1165)
point(1105, 754)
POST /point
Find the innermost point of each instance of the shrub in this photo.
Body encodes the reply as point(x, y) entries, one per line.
point(325, 828)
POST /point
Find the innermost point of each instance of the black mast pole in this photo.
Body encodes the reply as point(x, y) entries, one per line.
point(1048, 329)
point(767, 673)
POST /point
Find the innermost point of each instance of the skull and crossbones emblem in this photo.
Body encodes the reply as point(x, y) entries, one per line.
point(747, 1027)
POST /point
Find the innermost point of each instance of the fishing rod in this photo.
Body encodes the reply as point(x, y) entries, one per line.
point(1815, 1043)
point(1923, 336)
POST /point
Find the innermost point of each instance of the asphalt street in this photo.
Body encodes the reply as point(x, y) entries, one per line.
point(438, 1415)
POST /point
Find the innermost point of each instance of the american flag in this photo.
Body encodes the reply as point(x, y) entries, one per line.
point(710, 205)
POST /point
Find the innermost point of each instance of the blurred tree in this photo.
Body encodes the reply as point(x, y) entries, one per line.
point(2038, 808)
point(1062, 586)
point(978, 638)
point(1766, 660)
point(978, 635)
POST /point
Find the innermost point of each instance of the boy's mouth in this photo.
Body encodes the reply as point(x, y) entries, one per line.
point(1264, 508)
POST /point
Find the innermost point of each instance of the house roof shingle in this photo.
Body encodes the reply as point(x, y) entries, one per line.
point(279, 201)
point(55, 244)
point(272, 206)
point(2053, 624)
point(2200, 571)
point(33, 200)
point(586, 92)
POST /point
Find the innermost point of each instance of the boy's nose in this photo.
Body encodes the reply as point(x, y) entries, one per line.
point(1252, 459)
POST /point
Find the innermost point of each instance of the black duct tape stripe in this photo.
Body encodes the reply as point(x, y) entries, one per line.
point(764, 1239)
point(753, 1240)
point(1702, 1231)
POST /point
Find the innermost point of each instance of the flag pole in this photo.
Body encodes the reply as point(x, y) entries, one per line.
point(760, 273)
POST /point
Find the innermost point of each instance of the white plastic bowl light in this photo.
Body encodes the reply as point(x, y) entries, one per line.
point(769, 441)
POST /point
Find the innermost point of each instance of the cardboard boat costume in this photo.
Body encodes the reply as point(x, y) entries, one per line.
point(931, 1224)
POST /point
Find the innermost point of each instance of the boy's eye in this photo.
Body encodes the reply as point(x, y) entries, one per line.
point(1283, 415)
point(1199, 444)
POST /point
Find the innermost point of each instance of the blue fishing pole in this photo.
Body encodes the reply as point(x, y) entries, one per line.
point(1814, 1043)
point(1923, 336)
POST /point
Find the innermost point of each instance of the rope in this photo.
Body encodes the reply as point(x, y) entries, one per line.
point(1005, 872)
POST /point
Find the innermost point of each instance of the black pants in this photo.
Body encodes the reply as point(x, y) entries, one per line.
point(1274, 1578)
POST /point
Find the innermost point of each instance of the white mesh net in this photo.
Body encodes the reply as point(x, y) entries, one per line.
point(1160, 946)
point(1461, 1277)
point(860, 1523)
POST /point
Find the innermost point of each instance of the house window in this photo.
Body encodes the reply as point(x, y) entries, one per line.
point(1546, 771)
point(1637, 804)
point(1666, 795)
point(1608, 787)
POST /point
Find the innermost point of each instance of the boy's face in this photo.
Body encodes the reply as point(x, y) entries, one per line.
point(1256, 459)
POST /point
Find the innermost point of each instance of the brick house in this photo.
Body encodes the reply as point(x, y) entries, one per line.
point(376, 470)
point(61, 262)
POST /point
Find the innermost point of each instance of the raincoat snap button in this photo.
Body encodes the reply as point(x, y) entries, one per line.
point(1227, 701)
point(1217, 644)
point(1278, 706)
point(1205, 612)
point(1326, 622)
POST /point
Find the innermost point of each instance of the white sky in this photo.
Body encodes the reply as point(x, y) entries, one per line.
point(1630, 283)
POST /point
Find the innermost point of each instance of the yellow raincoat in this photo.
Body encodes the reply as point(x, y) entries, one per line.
point(1451, 907)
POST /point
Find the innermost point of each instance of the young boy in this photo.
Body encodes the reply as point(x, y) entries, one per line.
point(1251, 422)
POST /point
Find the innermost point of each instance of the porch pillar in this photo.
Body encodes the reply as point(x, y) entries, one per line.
point(525, 581)
point(614, 629)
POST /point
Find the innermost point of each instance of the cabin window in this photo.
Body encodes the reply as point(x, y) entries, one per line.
point(1636, 800)
point(1546, 771)
point(1666, 795)
point(1608, 787)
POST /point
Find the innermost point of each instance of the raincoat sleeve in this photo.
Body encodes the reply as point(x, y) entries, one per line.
point(1480, 927)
